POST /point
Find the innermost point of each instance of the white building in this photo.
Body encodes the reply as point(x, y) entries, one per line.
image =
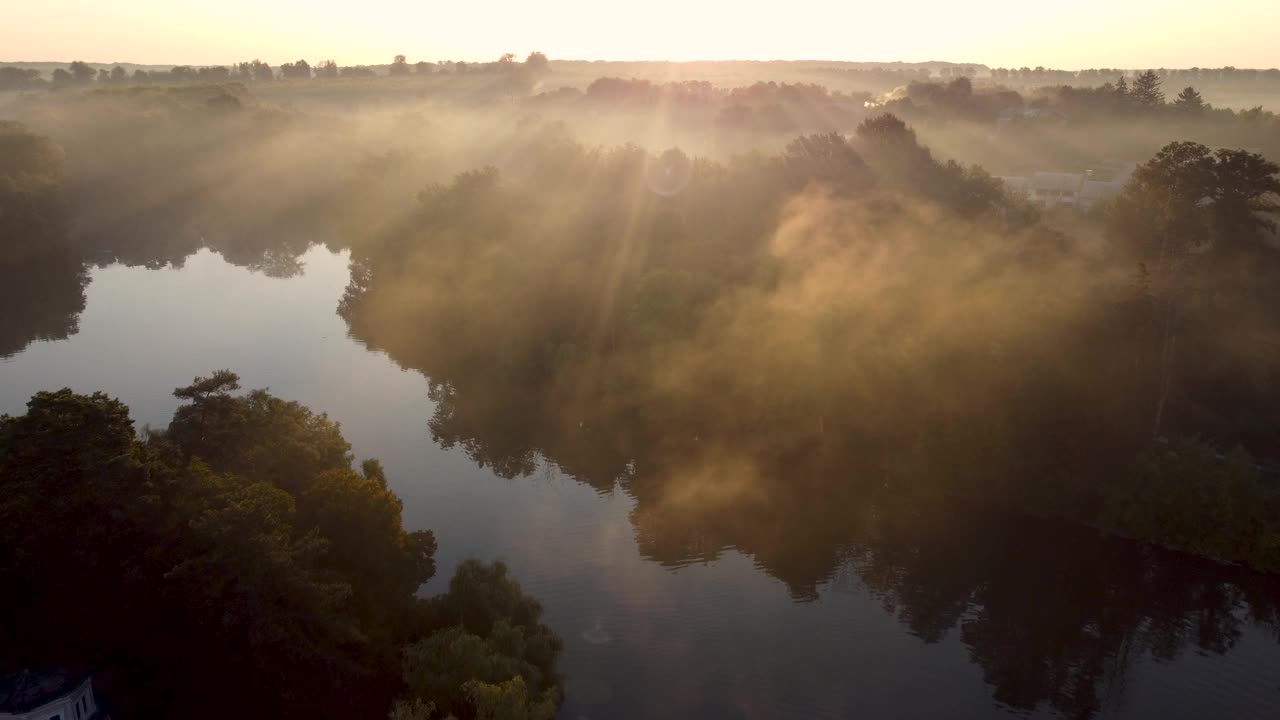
point(47, 695)
point(1081, 191)
point(1051, 189)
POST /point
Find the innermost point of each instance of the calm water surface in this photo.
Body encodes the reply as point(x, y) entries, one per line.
point(959, 622)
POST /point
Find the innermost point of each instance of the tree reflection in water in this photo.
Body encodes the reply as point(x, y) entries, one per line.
point(1055, 614)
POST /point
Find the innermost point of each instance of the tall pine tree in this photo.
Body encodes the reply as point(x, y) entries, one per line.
point(1146, 90)
point(1190, 101)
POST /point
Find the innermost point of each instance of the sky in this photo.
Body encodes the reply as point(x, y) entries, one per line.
point(1010, 33)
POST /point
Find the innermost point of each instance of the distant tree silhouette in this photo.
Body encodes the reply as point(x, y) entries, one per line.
point(1122, 91)
point(12, 78)
point(1189, 101)
point(537, 62)
point(1146, 90)
point(399, 66)
point(82, 73)
point(261, 71)
point(300, 70)
point(213, 74)
point(326, 69)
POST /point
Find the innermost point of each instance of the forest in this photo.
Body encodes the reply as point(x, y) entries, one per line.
point(758, 310)
point(243, 529)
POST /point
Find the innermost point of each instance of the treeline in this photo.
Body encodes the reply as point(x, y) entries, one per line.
point(763, 107)
point(81, 74)
point(1074, 128)
point(237, 548)
point(1061, 128)
point(1144, 98)
point(1048, 76)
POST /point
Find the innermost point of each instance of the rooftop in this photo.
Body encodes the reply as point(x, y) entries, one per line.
point(28, 689)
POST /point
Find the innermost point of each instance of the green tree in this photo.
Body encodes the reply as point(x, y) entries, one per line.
point(1190, 102)
point(1123, 97)
point(258, 436)
point(367, 545)
point(453, 669)
point(1191, 496)
point(300, 70)
point(1146, 91)
point(537, 62)
point(33, 210)
point(261, 71)
point(297, 586)
point(1188, 196)
point(509, 700)
point(828, 159)
point(12, 78)
point(82, 73)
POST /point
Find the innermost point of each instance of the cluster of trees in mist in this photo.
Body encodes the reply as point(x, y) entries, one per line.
point(1060, 128)
point(959, 99)
point(902, 319)
point(763, 107)
point(238, 548)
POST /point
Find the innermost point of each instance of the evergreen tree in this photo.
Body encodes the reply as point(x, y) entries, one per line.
point(1122, 92)
point(1190, 101)
point(1146, 90)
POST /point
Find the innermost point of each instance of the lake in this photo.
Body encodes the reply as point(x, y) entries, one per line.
point(870, 612)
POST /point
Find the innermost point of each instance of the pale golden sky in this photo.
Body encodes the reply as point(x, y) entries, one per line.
point(1077, 33)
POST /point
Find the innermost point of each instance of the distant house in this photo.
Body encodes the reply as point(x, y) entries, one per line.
point(1077, 190)
point(47, 695)
point(1051, 189)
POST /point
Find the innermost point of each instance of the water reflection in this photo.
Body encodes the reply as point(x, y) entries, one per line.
point(42, 288)
point(42, 296)
point(1056, 616)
